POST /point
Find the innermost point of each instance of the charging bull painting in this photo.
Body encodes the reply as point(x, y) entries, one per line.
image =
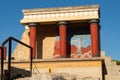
point(79, 46)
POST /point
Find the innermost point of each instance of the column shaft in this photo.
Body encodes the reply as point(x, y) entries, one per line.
point(94, 30)
point(63, 39)
point(33, 38)
point(4, 49)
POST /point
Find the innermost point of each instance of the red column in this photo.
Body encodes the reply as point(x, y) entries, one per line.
point(33, 27)
point(4, 52)
point(5, 49)
point(94, 31)
point(63, 39)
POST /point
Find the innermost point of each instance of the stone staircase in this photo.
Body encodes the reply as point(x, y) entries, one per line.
point(113, 70)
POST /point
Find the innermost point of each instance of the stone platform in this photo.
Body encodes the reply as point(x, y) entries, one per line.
point(80, 68)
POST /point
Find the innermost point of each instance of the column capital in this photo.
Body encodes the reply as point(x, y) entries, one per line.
point(94, 21)
point(33, 24)
point(62, 23)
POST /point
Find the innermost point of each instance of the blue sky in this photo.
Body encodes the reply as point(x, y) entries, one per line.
point(11, 14)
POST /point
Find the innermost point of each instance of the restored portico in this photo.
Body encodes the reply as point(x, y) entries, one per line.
point(63, 39)
point(62, 26)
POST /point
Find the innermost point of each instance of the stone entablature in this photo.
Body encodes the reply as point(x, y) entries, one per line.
point(61, 14)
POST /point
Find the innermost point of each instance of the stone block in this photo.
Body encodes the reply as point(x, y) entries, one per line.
point(112, 77)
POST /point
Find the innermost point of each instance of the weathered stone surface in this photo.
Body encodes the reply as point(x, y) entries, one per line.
point(22, 52)
point(113, 70)
point(88, 78)
point(56, 76)
point(45, 41)
point(45, 44)
point(112, 77)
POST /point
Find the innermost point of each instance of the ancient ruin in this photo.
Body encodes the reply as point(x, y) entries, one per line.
point(65, 43)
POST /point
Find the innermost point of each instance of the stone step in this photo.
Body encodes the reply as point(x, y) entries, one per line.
point(107, 58)
point(112, 77)
point(87, 78)
point(102, 54)
point(110, 63)
point(49, 77)
point(113, 69)
point(27, 78)
point(34, 78)
point(113, 63)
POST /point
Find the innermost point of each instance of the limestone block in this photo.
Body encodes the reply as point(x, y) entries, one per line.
point(112, 77)
point(102, 54)
point(48, 47)
point(113, 63)
point(88, 78)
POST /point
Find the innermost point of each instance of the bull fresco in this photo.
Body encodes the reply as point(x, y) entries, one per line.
point(80, 46)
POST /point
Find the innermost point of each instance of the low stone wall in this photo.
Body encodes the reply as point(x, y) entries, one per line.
point(57, 76)
point(81, 69)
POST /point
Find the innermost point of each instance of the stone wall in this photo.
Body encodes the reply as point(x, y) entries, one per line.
point(46, 37)
point(112, 69)
point(69, 69)
point(22, 52)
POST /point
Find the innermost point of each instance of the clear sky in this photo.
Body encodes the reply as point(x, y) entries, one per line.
point(11, 14)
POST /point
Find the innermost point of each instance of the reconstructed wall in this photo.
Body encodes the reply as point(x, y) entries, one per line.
point(22, 52)
point(81, 69)
point(46, 37)
point(111, 71)
point(48, 45)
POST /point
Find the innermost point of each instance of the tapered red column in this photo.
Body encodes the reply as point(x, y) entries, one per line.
point(4, 49)
point(94, 31)
point(63, 39)
point(33, 27)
